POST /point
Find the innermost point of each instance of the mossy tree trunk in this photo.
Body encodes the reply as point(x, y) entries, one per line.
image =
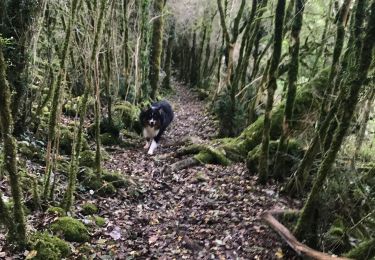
point(126, 41)
point(320, 50)
point(230, 39)
point(10, 156)
point(325, 130)
point(358, 77)
point(193, 61)
point(6, 219)
point(18, 20)
point(73, 169)
point(144, 50)
point(271, 88)
point(292, 80)
point(52, 125)
point(156, 47)
point(168, 57)
point(363, 126)
point(339, 44)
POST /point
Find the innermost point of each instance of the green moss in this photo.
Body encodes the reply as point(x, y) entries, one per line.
point(91, 181)
point(306, 100)
point(202, 93)
point(99, 221)
point(71, 229)
point(89, 209)
point(128, 114)
point(70, 108)
point(109, 139)
point(30, 151)
point(191, 149)
point(63, 166)
point(56, 211)
point(84, 173)
point(117, 179)
point(212, 155)
point(107, 189)
point(87, 158)
point(67, 141)
point(365, 250)
point(288, 161)
point(48, 247)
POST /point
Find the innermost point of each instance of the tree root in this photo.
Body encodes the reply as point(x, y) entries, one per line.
point(180, 165)
point(291, 240)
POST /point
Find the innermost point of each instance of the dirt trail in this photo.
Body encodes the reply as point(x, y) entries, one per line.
point(205, 212)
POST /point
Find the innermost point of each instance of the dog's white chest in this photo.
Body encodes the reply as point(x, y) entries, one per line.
point(150, 132)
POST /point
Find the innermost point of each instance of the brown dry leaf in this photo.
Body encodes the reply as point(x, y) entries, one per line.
point(279, 253)
point(153, 239)
point(31, 254)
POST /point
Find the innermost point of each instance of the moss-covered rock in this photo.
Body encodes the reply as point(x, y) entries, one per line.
point(107, 189)
point(30, 151)
point(128, 113)
point(48, 247)
point(109, 139)
point(71, 229)
point(70, 108)
point(99, 221)
point(287, 162)
point(116, 178)
point(67, 141)
point(87, 158)
point(89, 209)
point(56, 211)
point(93, 182)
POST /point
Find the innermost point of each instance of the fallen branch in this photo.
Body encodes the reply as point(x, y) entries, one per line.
point(291, 240)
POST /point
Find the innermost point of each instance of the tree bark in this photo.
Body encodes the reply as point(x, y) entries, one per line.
point(306, 220)
point(156, 47)
point(10, 156)
point(271, 88)
point(292, 79)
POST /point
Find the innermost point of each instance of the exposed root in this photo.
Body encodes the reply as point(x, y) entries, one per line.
point(183, 164)
point(291, 240)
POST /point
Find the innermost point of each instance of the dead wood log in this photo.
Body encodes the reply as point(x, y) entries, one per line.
point(291, 240)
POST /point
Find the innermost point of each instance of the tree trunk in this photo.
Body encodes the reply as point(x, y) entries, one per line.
point(73, 168)
point(156, 47)
point(168, 58)
point(18, 21)
point(292, 79)
point(339, 44)
point(10, 156)
point(56, 97)
point(271, 88)
point(306, 220)
point(326, 128)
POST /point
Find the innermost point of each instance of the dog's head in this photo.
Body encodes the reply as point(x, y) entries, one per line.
point(151, 117)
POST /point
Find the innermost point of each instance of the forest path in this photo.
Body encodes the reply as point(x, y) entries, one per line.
point(204, 212)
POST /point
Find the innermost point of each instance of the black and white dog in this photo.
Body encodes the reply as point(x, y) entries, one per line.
point(154, 121)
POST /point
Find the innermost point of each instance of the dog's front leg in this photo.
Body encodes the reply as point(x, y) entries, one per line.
point(145, 135)
point(153, 146)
